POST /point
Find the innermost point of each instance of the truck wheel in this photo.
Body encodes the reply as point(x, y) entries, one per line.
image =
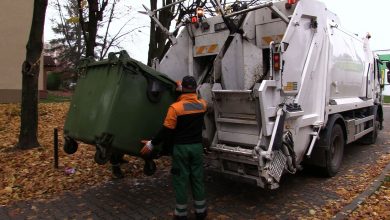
point(149, 167)
point(334, 152)
point(102, 155)
point(70, 145)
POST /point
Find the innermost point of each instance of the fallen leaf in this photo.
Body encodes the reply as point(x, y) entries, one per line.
point(29, 174)
point(7, 190)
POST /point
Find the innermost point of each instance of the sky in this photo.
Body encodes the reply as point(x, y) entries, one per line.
point(356, 16)
point(361, 17)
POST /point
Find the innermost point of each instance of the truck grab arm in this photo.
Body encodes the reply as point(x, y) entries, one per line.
point(166, 31)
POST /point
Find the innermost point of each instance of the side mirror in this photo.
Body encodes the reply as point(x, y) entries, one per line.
point(388, 76)
point(388, 71)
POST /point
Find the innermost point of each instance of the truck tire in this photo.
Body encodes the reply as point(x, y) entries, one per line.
point(334, 152)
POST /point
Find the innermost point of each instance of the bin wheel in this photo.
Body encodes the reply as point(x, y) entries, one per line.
point(102, 155)
point(149, 167)
point(70, 145)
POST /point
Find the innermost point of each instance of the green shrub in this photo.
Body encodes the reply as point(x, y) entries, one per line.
point(53, 81)
point(386, 99)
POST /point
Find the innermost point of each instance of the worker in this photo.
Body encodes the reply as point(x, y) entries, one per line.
point(183, 126)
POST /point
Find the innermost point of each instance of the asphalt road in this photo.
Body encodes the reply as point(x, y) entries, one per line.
point(152, 197)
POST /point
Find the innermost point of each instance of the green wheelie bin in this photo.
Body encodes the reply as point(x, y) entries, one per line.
point(117, 102)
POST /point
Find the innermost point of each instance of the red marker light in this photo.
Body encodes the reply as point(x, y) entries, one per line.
point(276, 59)
point(194, 19)
point(291, 2)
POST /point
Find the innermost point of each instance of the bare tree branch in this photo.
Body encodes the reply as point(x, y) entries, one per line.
point(102, 54)
point(64, 27)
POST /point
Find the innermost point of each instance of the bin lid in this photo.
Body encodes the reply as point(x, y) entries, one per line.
point(130, 64)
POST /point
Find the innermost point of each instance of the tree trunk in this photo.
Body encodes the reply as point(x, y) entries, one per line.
point(92, 27)
point(165, 17)
point(152, 37)
point(30, 71)
point(158, 37)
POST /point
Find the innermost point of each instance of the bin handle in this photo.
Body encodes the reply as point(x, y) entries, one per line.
point(153, 96)
point(123, 55)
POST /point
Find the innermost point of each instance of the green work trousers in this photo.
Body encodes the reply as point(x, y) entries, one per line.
point(187, 170)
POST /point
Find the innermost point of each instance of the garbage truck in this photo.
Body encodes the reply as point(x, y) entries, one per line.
point(287, 86)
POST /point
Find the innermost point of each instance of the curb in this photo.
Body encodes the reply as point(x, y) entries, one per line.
point(343, 213)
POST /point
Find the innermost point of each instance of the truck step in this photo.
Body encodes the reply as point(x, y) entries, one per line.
point(235, 150)
point(236, 121)
point(277, 165)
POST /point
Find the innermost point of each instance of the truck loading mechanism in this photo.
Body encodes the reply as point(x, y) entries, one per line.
point(287, 84)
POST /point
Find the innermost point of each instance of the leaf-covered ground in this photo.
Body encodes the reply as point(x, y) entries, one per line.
point(377, 206)
point(358, 183)
point(30, 174)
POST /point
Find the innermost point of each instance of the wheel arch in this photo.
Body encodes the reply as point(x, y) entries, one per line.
point(317, 156)
point(326, 132)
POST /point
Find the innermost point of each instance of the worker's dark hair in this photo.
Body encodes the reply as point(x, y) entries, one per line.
point(188, 84)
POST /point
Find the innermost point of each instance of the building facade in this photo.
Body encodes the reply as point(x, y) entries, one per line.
point(15, 23)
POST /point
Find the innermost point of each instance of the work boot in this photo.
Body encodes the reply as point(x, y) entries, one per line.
point(201, 216)
point(117, 172)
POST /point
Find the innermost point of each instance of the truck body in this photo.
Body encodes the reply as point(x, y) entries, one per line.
point(287, 86)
